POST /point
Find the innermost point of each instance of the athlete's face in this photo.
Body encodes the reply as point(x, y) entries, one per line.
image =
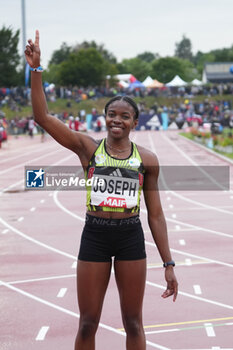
point(120, 119)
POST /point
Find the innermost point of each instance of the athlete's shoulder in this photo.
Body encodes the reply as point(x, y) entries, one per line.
point(148, 158)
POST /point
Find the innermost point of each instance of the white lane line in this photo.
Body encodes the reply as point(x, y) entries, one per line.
point(163, 331)
point(23, 164)
point(55, 197)
point(197, 227)
point(32, 209)
point(197, 289)
point(185, 155)
point(23, 181)
point(24, 154)
point(5, 231)
point(18, 232)
point(71, 313)
point(74, 265)
point(43, 279)
point(42, 333)
point(196, 256)
point(174, 216)
point(150, 243)
point(192, 296)
point(188, 262)
point(194, 163)
point(209, 330)
point(182, 242)
point(61, 292)
point(42, 201)
point(21, 218)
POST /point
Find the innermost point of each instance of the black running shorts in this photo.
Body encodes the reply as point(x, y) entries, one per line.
point(103, 239)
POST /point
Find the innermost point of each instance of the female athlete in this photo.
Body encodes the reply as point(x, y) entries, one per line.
point(112, 228)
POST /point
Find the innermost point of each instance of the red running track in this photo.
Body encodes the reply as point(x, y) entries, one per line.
point(40, 235)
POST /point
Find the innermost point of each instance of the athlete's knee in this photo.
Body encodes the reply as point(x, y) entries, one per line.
point(133, 325)
point(87, 327)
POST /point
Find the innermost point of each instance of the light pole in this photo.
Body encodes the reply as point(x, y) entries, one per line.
point(23, 28)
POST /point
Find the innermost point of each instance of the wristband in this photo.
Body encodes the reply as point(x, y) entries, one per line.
point(172, 263)
point(37, 69)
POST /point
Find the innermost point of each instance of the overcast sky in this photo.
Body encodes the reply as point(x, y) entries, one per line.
point(125, 27)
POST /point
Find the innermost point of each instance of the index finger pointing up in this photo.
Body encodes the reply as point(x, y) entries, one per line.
point(37, 38)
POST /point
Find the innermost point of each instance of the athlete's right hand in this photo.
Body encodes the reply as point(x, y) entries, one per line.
point(32, 52)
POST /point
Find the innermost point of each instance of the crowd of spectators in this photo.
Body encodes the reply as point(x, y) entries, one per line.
point(18, 97)
point(209, 110)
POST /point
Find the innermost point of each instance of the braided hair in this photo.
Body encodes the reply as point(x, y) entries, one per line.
point(127, 99)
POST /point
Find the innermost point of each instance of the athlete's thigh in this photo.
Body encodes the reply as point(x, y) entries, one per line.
point(131, 278)
point(92, 282)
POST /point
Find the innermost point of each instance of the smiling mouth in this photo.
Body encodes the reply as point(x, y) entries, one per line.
point(116, 127)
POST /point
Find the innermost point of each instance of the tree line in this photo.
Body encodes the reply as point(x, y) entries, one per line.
point(89, 63)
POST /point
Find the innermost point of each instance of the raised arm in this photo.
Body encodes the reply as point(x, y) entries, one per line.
point(156, 221)
point(81, 144)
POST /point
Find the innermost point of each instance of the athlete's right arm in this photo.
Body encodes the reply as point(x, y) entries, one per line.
point(81, 144)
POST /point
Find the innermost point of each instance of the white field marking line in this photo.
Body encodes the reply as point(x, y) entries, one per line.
point(149, 266)
point(195, 208)
point(23, 181)
point(152, 244)
point(188, 262)
point(182, 242)
point(194, 256)
point(42, 279)
point(194, 226)
point(36, 241)
point(159, 266)
point(24, 154)
point(226, 306)
point(217, 155)
point(71, 313)
point(73, 257)
point(55, 197)
point(199, 228)
point(209, 330)
point(197, 289)
point(183, 229)
point(23, 164)
point(206, 206)
point(164, 331)
point(199, 257)
point(179, 195)
point(62, 293)
point(42, 333)
point(74, 265)
point(191, 160)
point(5, 231)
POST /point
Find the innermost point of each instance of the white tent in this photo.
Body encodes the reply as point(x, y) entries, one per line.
point(148, 81)
point(176, 81)
point(123, 84)
point(196, 82)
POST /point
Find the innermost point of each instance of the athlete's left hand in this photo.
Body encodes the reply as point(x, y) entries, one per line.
point(172, 285)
